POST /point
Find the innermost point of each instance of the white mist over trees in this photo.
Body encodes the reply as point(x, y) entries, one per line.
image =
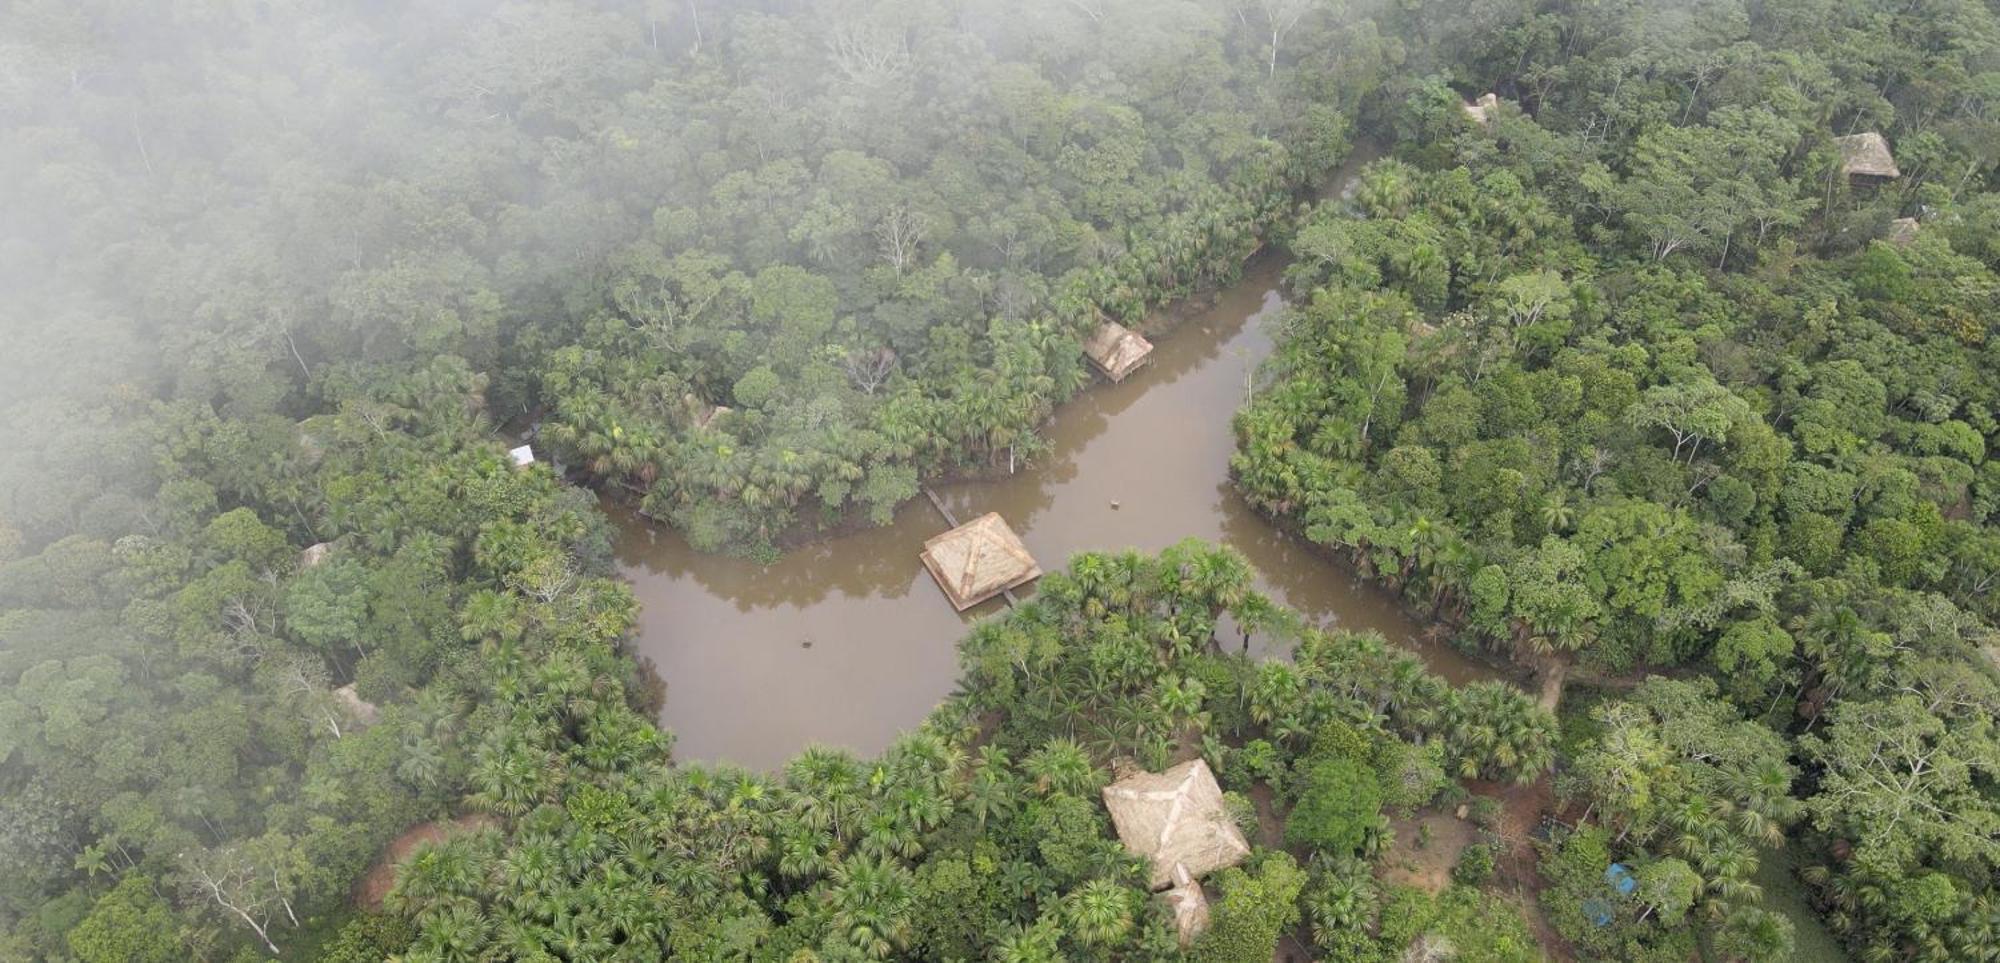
point(1624, 374)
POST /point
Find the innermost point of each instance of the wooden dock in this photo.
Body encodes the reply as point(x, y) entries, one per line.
point(951, 521)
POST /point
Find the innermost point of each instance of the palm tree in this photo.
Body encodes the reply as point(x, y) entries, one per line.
point(827, 791)
point(437, 878)
point(871, 900)
point(803, 852)
point(510, 778)
point(1099, 913)
point(1344, 903)
point(1061, 766)
point(458, 933)
point(488, 614)
point(1040, 943)
point(885, 835)
point(993, 792)
point(1556, 512)
point(1498, 732)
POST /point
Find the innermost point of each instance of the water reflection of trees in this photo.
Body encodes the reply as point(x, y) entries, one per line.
point(1327, 590)
point(882, 562)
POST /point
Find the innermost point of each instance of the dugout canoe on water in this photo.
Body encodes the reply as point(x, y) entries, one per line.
point(978, 560)
point(1117, 350)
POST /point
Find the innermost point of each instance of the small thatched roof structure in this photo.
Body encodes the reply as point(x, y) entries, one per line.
point(1176, 818)
point(1902, 231)
point(523, 456)
point(1481, 110)
point(700, 413)
point(1117, 350)
point(1189, 905)
point(1866, 155)
point(363, 712)
point(978, 560)
point(314, 554)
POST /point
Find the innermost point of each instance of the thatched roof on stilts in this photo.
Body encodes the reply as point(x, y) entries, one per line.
point(1117, 350)
point(978, 560)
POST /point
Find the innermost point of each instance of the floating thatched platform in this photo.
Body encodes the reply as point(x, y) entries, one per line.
point(1117, 350)
point(1866, 156)
point(1176, 819)
point(978, 560)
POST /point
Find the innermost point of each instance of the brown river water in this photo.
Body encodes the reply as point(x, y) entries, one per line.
point(847, 641)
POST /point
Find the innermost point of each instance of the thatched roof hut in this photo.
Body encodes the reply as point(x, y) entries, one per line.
point(700, 413)
point(1866, 156)
point(314, 554)
point(978, 560)
point(1117, 350)
point(523, 456)
point(1902, 231)
point(1481, 110)
point(1189, 905)
point(1176, 818)
point(363, 712)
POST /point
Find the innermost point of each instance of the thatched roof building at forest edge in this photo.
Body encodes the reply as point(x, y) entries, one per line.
point(1117, 350)
point(1176, 818)
point(1867, 156)
point(978, 560)
point(1481, 110)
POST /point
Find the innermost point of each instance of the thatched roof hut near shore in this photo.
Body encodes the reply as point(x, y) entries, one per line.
point(1902, 231)
point(1866, 157)
point(1117, 350)
point(978, 560)
point(314, 554)
point(1176, 819)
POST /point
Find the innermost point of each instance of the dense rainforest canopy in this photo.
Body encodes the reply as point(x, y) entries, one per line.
point(1622, 376)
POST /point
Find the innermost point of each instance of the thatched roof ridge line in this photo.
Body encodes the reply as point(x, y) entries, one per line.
point(1116, 350)
point(1176, 818)
point(978, 560)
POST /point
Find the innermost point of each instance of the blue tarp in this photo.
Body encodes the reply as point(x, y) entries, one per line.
point(1621, 879)
point(1597, 911)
